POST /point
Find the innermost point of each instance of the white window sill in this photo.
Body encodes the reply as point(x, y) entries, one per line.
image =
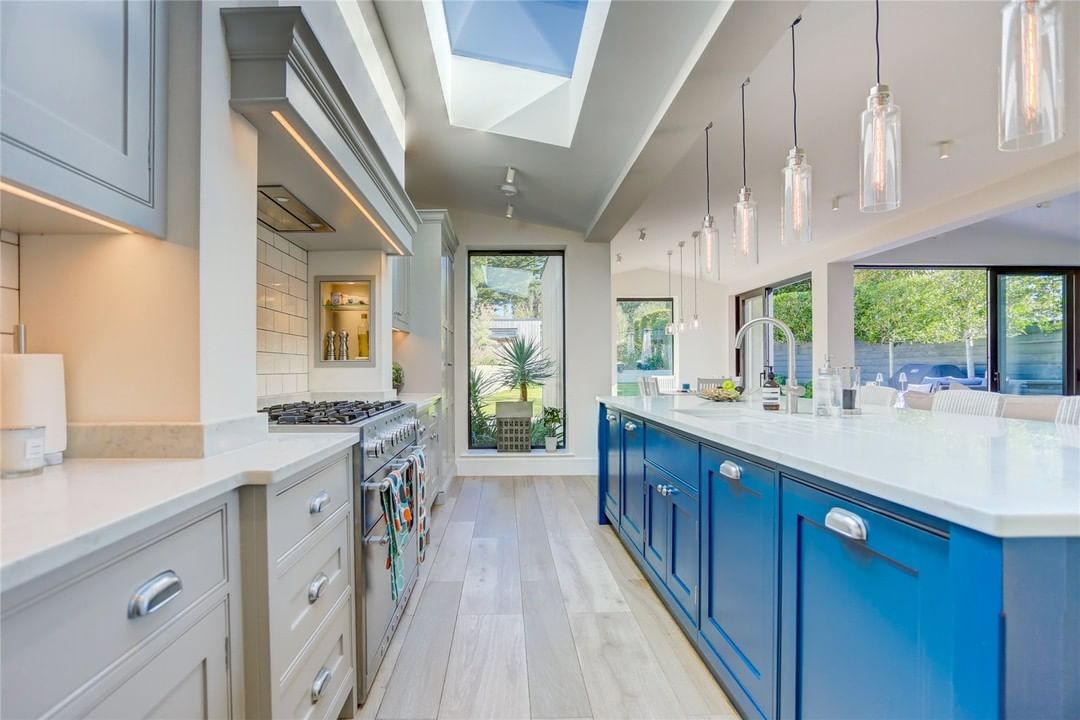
point(485, 453)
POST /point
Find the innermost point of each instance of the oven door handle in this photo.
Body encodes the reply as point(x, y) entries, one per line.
point(375, 485)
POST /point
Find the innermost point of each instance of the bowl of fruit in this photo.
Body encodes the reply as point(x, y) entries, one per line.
point(727, 392)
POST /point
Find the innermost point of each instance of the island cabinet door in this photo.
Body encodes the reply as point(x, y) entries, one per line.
point(633, 487)
point(657, 521)
point(684, 549)
point(740, 570)
point(613, 469)
point(865, 612)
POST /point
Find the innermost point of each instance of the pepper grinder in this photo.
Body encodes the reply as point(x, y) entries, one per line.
point(343, 350)
point(330, 354)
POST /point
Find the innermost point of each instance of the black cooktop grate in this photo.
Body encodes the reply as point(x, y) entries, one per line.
point(328, 412)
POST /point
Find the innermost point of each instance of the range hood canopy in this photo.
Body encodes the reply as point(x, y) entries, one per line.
point(312, 137)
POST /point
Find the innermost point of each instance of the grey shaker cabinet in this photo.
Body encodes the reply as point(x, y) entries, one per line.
point(83, 96)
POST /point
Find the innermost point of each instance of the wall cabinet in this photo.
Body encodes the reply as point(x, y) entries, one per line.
point(866, 611)
point(740, 551)
point(84, 105)
point(400, 277)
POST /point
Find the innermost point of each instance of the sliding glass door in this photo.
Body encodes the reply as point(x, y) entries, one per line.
point(1032, 347)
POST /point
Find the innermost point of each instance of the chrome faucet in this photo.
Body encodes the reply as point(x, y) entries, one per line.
point(794, 389)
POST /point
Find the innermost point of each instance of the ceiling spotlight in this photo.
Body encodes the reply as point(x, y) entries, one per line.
point(641, 235)
point(943, 149)
point(509, 210)
point(1044, 204)
point(508, 187)
point(836, 204)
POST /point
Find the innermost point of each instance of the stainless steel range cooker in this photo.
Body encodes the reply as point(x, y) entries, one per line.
point(388, 434)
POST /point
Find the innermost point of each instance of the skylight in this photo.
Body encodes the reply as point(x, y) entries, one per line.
point(539, 35)
point(516, 67)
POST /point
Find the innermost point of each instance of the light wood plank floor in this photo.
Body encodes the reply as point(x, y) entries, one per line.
point(529, 609)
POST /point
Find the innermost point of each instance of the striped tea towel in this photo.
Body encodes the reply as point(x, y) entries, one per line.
point(418, 468)
point(395, 506)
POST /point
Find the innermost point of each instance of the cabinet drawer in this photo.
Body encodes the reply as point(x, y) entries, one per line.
point(55, 644)
point(674, 453)
point(331, 652)
point(319, 570)
point(300, 507)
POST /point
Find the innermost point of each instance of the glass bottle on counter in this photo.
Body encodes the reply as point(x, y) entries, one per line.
point(825, 390)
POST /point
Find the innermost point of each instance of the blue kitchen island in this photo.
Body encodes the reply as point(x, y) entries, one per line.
point(900, 564)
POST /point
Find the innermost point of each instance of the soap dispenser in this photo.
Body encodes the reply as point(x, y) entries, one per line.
point(770, 393)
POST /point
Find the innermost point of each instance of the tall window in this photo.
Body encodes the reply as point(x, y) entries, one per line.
point(642, 346)
point(515, 340)
point(928, 323)
point(1031, 350)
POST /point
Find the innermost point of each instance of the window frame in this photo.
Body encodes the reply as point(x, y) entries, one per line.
point(765, 292)
point(670, 299)
point(487, 252)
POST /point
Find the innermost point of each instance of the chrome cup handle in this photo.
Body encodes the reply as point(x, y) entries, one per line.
point(154, 594)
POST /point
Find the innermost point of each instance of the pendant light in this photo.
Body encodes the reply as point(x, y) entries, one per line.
point(696, 236)
point(879, 174)
point(744, 238)
point(669, 329)
point(682, 304)
point(1031, 95)
point(710, 234)
point(796, 224)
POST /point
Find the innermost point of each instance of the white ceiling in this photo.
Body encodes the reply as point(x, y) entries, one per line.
point(939, 58)
point(635, 72)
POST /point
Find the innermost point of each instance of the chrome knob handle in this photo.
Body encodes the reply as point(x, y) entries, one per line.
point(315, 589)
point(318, 502)
point(630, 427)
point(672, 490)
point(846, 523)
point(661, 490)
point(372, 449)
point(322, 680)
point(612, 417)
point(154, 594)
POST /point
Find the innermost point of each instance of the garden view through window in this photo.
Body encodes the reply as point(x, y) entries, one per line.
point(516, 370)
point(643, 348)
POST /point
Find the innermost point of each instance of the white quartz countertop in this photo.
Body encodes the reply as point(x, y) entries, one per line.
point(72, 509)
point(1006, 478)
point(422, 400)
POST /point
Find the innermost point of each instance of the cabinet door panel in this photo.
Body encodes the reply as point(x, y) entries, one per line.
point(867, 629)
point(684, 553)
point(613, 489)
point(188, 680)
point(657, 525)
point(738, 603)
point(633, 485)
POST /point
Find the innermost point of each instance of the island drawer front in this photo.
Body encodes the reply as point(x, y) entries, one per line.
point(884, 585)
point(71, 634)
point(301, 506)
point(320, 570)
point(677, 455)
point(306, 692)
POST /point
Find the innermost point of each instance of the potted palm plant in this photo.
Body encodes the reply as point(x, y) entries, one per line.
point(552, 421)
point(519, 363)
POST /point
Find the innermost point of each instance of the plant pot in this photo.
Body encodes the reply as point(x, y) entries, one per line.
point(513, 426)
point(551, 444)
point(398, 386)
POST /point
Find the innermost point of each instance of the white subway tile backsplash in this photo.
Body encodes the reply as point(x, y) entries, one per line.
point(260, 251)
point(281, 362)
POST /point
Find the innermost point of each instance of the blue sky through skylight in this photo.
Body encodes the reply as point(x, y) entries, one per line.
point(541, 35)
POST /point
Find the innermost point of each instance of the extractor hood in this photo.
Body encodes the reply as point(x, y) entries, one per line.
point(312, 137)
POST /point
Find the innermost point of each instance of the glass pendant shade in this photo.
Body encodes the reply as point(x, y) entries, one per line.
point(879, 175)
point(710, 241)
point(795, 227)
point(696, 322)
point(744, 238)
point(1031, 96)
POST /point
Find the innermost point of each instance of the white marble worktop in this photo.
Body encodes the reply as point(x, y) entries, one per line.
point(1006, 478)
point(72, 509)
point(422, 400)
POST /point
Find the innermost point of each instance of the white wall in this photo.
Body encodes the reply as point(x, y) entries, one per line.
point(588, 356)
point(698, 353)
point(354, 379)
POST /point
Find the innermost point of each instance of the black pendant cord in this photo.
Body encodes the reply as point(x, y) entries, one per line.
point(794, 96)
point(708, 184)
point(877, 41)
point(744, 131)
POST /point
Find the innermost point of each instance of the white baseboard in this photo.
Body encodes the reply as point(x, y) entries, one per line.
point(537, 463)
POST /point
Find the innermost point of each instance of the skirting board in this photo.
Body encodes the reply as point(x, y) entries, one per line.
point(539, 463)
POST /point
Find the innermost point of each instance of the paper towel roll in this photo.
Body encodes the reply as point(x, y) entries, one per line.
point(32, 393)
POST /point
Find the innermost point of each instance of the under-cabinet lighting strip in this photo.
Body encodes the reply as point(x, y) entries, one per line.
point(330, 174)
point(74, 212)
